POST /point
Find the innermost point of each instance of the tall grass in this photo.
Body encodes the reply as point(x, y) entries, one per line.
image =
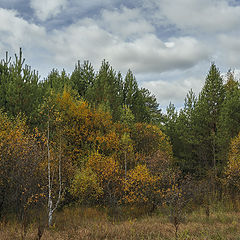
point(130, 223)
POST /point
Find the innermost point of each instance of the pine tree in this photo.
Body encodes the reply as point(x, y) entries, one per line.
point(184, 145)
point(56, 81)
point(229, 119)
point(152, 111)
point(205, 118)
point(82, 77)
point(107, 89)
point(20, 89)
point(130, 89)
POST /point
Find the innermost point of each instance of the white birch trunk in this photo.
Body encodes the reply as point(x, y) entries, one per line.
point(51, 209)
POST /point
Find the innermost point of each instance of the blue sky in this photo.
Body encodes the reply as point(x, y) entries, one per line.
point(168, 45)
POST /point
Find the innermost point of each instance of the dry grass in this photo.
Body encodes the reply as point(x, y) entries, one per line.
point(91, 223)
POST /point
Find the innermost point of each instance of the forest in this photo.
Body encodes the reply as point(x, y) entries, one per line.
point(93, 143)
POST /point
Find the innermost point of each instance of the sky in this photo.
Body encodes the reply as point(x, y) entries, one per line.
point(169, 45)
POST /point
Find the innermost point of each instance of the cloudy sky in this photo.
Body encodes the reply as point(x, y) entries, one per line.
point(169, 45)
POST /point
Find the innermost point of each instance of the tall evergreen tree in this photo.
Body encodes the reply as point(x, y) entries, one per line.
point(205, 118)
point(184, 144)
point(170, 123)
point(20, 89)
point(143, 105)
point(130, 89)
point(229, 119)
point(152, 110)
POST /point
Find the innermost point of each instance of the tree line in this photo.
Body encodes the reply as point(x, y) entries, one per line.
point(96, 138)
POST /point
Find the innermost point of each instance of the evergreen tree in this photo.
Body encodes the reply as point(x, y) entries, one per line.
point(170, 127)
point(184, 145)
point(107, 89)
point(130, 89)
point(205, 118)
point(20, 90)
point(82, 77)
point(143, 105)
point(229, 119)
point(56, 81)
point(152, 111)
point(4, 81)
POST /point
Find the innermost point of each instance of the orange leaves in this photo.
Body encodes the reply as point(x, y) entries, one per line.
point(106, 153)
point(86, 129)
point(108, 143)
point(22, 157)
point(139, 185)
point(106, 168)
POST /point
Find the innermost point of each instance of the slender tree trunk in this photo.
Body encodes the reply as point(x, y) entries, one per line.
point(51, 209)
point(50, 212)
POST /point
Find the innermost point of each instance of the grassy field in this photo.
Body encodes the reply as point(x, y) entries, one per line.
point(91, 223)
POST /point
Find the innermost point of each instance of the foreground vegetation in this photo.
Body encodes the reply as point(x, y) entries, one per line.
point(94, 223)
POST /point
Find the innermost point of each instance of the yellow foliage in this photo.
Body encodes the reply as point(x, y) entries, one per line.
point(233, 167)
point(22, 155)
point(140, 185)
point(106, 168)
point(86, 129)
point(85, 185)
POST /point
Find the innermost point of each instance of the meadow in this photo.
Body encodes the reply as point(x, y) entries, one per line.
point(130, 223)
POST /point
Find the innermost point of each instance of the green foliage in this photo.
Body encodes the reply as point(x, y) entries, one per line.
point(205, 118)
point(82, 78)
point(56, 81)
point(194, 131)
point(229, 118)
point(127, 117)
point(107, 89)
point(184, 137)
point(19, 88)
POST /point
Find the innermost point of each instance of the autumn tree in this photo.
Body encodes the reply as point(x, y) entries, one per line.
point(22, 167)
point(233, 166)
point(140, 186)
point(148, 139)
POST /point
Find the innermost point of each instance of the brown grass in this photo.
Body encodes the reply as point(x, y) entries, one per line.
point(92, 223)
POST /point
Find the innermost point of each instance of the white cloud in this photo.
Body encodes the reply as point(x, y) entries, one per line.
point(145, 54)
point(205, 15)
point(173, 91)
point(150, 54)
point(14, 29)
point(230, 48)
point(45, 9)
point(126, 23)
